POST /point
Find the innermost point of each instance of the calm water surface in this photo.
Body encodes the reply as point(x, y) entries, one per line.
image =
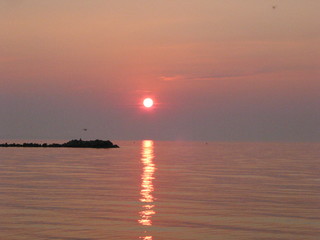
point(162, 190)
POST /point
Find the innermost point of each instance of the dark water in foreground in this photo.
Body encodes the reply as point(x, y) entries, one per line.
point(162, 190)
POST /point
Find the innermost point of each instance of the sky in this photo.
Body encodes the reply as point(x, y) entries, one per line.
point(226, 70)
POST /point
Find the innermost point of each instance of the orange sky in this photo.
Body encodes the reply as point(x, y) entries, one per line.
point(219, 70)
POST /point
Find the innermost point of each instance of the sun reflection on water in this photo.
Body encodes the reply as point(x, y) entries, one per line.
point(147, 186)
point(146, 238)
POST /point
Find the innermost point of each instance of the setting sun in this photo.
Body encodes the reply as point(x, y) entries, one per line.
point(148, 102)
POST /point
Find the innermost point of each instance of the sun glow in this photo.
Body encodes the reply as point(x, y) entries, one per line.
point(148, 102)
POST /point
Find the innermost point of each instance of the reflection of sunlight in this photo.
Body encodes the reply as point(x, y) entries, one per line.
point(147, 185)
point(146, 238)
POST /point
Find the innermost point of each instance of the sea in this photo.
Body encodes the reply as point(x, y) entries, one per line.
point(158, 190)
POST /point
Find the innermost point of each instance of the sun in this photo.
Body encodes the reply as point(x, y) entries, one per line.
point(148, 102)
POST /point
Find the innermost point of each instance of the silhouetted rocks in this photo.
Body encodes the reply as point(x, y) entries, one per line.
point(71, 144)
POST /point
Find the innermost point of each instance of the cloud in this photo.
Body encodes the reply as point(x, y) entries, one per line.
point(223, 76)
point(172, 78)
point(203, 77)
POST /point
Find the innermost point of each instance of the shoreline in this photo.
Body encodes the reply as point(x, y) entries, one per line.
point(70, 144)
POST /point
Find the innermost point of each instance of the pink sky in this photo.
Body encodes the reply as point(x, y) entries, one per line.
point(218, 70)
